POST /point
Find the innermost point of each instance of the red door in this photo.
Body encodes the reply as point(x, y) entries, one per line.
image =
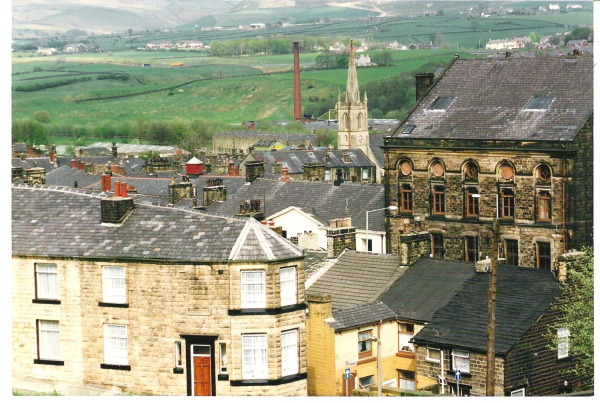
point(202, 382)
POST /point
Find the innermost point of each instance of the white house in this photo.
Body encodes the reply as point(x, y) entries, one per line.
point(553, 7)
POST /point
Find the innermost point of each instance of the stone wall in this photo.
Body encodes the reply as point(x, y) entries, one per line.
point(339, 239)
point(313, 172)
point(163, 302)
point(474, 381)
point(455, 225)
point(413, 246)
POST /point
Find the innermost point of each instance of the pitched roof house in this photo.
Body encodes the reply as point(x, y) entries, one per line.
point(153, 300)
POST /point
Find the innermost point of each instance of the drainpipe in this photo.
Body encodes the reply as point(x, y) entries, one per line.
point(443, 378)
point(564, 202)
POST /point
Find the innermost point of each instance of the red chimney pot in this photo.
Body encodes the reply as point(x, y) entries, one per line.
point(117, 189)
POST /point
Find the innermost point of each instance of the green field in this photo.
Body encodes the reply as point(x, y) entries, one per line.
point(248, 97)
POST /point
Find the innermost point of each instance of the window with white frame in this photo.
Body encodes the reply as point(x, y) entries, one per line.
point(287, 278)
point(46, 280)
point(115, 344)
point(407, 380)
point(366, 381)
point(460, 360)
point(563, 342)
point(518, 392)
point(113, 284)
point(289, 352)
point(328, 174)
point(365, 173)
point(223, 354)
point(254, 356)
point(178, 355)
point(253, 289)
point(49, 339)
point(433, 355)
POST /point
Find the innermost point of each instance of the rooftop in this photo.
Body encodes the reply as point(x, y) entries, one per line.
point(62, 222)
point(491, 96)
point(296, 159)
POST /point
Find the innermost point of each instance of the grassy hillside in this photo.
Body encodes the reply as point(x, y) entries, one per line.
point(197, 92)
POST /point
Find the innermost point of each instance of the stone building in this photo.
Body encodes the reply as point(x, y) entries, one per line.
point(532, 349)
point(234, 142)
point(316, 165)
point(153, 300)
point(507, 138)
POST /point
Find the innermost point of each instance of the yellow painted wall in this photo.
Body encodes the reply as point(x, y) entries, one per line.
point(320, 347)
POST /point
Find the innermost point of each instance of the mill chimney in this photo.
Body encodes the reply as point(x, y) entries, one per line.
point(115, 154)
point(297, 98)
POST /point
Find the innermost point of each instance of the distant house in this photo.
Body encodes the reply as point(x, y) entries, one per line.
point(392, 45)
point(363, 61)
point(160, 45)
point(46, 51)
point(574, 6)
point(577, 43)
point(75, 48)
point(190, 44)
point(553, 7)
point(258, 25)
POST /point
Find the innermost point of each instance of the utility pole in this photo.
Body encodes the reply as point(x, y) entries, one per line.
point(490, 373)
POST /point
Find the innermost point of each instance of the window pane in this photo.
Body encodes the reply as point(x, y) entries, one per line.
point(49, 339)
point(254, 356)
point(253, 289)
point(433, 354)
point(544, 255)
point(113, 284)
point(115, 344)
point(223, 348)
point(438, 245)
point(287, 277)
point(46, 278)
point(512, 252)
point(289, 353)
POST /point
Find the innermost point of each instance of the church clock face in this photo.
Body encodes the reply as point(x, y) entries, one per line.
point(360, 138)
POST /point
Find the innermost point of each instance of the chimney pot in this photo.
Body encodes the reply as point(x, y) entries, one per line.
point(123, 189)
point(117, 189)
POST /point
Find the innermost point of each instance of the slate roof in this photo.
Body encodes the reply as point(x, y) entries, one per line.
point(96, 151)
point(375, 143)
point(232, 183)
point(146, 186)
point(357, 278)
point(360, 315)
point(65, 176)
point(322, 199)
point(137, 148)
point(268, 135)
point(61, 222)
point(296, 159)
point(21, 147)
point(524, 294)
point(313, 261)
point(491, 96)
point(41, 162)
point(425, 287)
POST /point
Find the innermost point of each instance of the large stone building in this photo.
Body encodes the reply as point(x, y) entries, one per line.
point(508, 138)
point(153, 300)
point(234, 142)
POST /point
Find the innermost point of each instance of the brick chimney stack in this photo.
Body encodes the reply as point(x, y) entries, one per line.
point(297, 98)
point(424, 81)
point(106, 182)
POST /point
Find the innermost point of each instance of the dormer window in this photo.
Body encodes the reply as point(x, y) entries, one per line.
point(409, 129)
point(538, 103)
point(441, 103)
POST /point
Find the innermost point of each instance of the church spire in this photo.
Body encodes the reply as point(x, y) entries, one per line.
point(352, 92)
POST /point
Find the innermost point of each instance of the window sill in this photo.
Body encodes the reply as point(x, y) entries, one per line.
point(112, 305)
point(223, 377)
point(366, 360)
point(565, 359)
point(470, 218)
point(405, 354)
point(178, 370)
point(466, 375)
point(48, 362)
point(116, 367)
point(46, 301)
point(434, 217)
point(273, 382)
point(264, 311)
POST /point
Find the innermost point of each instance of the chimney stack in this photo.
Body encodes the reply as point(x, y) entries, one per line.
point(338, 177)
point(254, 169)
point(115, 154)
point(80, 165)
point(106, 182)
point(73, 163)
point(297, 98)
point(214, 191)
point(285, 176)
point(52, 153)
point(114, 210)
point(424, 82)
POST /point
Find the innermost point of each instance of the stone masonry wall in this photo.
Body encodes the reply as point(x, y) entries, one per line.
point(164, 302)
point(454, 225)
point(321, 352)
point(475, 379)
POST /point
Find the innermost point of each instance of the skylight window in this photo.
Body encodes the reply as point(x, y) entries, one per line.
point(409, 129)
point(441, 103)
point(539, 103)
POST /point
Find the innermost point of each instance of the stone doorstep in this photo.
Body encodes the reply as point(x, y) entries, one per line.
point(28, 385)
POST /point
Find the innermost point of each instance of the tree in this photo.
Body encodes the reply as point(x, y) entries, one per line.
point(130, 32)
point(475, 25)
point(70, 151)
point(42, 116)
point(382, 58)
point(534, 37)
point(579, 313)
point(578, 33)
point(440, 12)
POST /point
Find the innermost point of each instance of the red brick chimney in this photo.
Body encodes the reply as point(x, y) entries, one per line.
point(123, 189)
point(106, 182)
point(74, 163)
point(80, 165)
point(297, 99)
point(117, 189)
point(285, 176)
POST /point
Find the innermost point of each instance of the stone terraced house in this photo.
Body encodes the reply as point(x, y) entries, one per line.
point(153, 300)
point(507, 138)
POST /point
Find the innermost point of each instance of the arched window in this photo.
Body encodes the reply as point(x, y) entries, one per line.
point(437, 168)
point(346, 121)
point(543, 173)
point(471, 171)
point(359, 120)
point(405, 167)
point(507, 172)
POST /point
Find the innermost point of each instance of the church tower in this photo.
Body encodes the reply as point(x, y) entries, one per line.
point(353, 130)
